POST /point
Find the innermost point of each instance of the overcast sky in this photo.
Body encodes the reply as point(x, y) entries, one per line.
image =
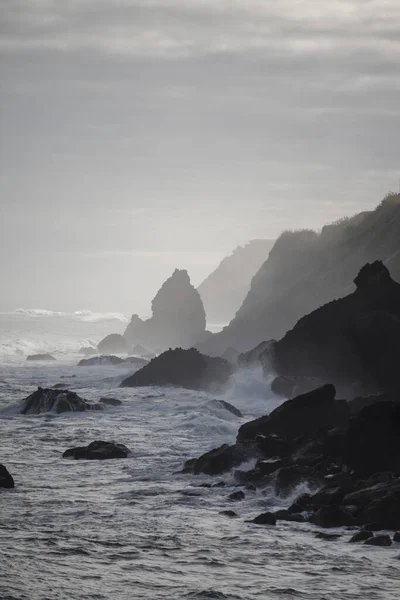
point(142, 135)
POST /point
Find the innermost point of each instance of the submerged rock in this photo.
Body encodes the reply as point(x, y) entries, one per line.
point(361, 536)
point(110, 401)
point(236, 496)
point(98, 450)
point(267, 518)
point(182, 368)
point(218, 461)
point(39, 357)
point(113, 344)
point(59, 401)
point(379, 540)
point(6, 480)
point(221, 404)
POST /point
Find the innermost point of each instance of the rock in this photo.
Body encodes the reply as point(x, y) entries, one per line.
point(252, 357)
point(110, 401)
point(266, 518)
point(273, 446)
point(87, 350)
point(291, 386)
point(396, 537)
point(289, 477)
point(178, 317)
point(219, 460)
point(329, 537)
point(384, 511)
point(302, 503)
point(100, 360)
point(136, 361)
point(113, 344)
point(266, 466)
point(231, 355)
point(221, 404)
point(353, 339)
point(39, 357)
point(332, 516)
point(6, 480)
point(236, 496)
point(329, 495)
point(229, 513)
point(59, 401)
point(285, 515)
point(98, 450)
point(373, 439)
point(379, 540)
point(182, 368)
point(361, 536)
point(303, 416)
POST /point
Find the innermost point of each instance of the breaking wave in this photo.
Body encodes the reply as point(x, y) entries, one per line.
point(80, 315)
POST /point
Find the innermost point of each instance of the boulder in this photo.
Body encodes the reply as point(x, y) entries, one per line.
point(113, 344)
point(379, 540)
point(396, 536)
point(287, 478)
point(236, 496)
point(361, 536)
point(229, 513)
point(59, 401)
point(219, 460)
point(100, 360)
point(40, 357)
point(332, 516)
point(304, 416)
point(267, 518)
point(98, 450)
point(110, 401)
point(6, 480)
point(285, 515)
point(302, 503)
point(182, 368)
point(221, 404)
point(178, 317)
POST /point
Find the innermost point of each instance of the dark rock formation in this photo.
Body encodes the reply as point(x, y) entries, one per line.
point(305, 270)
point(289, 386)
point(332, 516)
point(266, 518)
point(225, 289)
point(178, 317)
point(396, 537)
point(221, 404)
point(110, 401)
point(98, 450)
point(218, 461)
point(361, 536)
point(113, 344)
point(229, 513)
point(252, 358)
point(6, 480)
point(39, 357)
point(59, 401)
point(379, 540)
point(182, 368)
point(236, 496)
point(354, 339)
point(100, 360)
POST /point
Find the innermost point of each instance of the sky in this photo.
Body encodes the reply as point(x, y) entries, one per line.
point(142, 135)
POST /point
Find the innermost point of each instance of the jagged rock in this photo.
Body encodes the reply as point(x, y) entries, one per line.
point(266, 518)
point(396, 536)
point(329, 495)
point(287, 478)
point(113, 344)
point(291, 386)
point(252, 357)
point(361, 536)
point(59, 401)
point(303, 416)
point(351, 339)
point(332, 516)
point(236, 496)
point(379, 540)
point(221, 404)
point(98, 450)
point(182, 368)
point(100, 360)
point(219, 460)
point(87, 350)
point(110, 401)
point(6, 480)
point(39, 357)
point(178, 317)
point(285, 515)
point(302, 503)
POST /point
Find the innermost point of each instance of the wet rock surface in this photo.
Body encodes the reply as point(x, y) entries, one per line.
point(55, 400)
point(98, 450)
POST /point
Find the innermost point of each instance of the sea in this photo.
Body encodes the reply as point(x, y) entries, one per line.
point(136, 528)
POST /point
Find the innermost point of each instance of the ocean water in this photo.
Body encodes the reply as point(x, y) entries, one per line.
point(134, 528)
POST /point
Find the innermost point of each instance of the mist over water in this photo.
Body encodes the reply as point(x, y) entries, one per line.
point(135, 528)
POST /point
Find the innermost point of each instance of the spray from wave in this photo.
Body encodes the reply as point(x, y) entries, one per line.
point(80, 315)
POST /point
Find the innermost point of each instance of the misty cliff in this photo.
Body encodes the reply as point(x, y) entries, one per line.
point(306, 269)
point(178, 317)
point(225, 288)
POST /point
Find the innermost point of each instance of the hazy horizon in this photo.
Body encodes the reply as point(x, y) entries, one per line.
point(147, 135)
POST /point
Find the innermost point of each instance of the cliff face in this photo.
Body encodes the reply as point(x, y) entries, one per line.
point(306, 269)
point(225, 288)
point(353, 340)
point(178, 317)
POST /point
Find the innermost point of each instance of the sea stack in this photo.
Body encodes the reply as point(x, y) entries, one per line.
point(178, 317)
